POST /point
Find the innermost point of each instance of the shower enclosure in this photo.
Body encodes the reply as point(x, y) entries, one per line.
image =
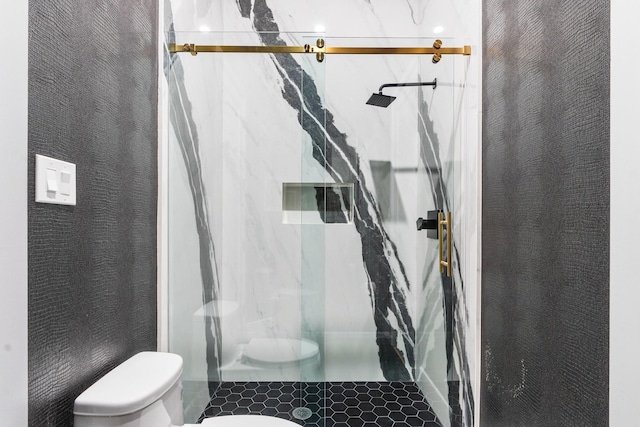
point(297, 277)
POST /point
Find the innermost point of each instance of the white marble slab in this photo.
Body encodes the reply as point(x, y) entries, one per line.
point(251, 142)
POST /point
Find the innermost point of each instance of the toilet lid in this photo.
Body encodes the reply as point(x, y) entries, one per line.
point(247, 421)
point(280, 350)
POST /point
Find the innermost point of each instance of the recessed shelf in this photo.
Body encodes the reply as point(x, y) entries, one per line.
point(317, 203)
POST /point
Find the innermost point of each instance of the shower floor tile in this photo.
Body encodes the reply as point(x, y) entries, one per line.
point(347, 404)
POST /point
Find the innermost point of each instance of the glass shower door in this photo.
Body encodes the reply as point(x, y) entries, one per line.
point(293, 280)
point(440, 353)
point(248, 197)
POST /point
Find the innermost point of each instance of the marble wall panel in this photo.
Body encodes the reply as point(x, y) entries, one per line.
point(267, 119)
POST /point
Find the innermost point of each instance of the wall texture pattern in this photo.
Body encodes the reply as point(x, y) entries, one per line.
point(92, 267)
point(545, 267)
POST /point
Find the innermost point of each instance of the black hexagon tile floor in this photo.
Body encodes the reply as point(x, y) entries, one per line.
point(335, 404)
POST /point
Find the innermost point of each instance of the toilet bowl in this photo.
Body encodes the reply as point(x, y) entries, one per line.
point(146, 391)
point(260, 358)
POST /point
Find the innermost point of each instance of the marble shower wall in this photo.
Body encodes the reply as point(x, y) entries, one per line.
point(362, 290)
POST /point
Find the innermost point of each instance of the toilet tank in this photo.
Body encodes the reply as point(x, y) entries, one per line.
point(143, 391)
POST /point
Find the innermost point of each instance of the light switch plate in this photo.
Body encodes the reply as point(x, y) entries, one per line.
point(55, 181)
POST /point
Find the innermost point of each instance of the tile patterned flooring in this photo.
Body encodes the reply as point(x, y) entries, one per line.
point(349, 404)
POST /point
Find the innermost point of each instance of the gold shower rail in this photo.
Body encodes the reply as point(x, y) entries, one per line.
point(320, 50)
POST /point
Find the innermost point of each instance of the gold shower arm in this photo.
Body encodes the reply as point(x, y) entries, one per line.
point(320, 50)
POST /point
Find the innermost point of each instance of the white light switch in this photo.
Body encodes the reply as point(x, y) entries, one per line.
point(55, 181)
point(65, 183)
point(52, 181)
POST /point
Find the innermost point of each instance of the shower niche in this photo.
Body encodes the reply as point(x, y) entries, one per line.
point(317, 203)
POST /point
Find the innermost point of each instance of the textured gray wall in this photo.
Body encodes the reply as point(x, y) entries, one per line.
point(545, 286)
point(92, 267)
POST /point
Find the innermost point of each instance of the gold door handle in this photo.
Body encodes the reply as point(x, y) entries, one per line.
point(442, 223)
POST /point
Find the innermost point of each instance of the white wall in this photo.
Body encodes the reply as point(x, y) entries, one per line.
point(13, 221)
point(625, 204)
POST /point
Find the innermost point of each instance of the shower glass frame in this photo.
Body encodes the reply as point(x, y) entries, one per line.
point(213, 186)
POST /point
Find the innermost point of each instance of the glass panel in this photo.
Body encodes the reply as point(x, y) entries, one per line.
point(312, 114)
point(292, 258)
point(438, 189)
point(245, 288)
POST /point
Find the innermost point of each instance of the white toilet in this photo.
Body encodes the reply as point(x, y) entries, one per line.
point(146, 391)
